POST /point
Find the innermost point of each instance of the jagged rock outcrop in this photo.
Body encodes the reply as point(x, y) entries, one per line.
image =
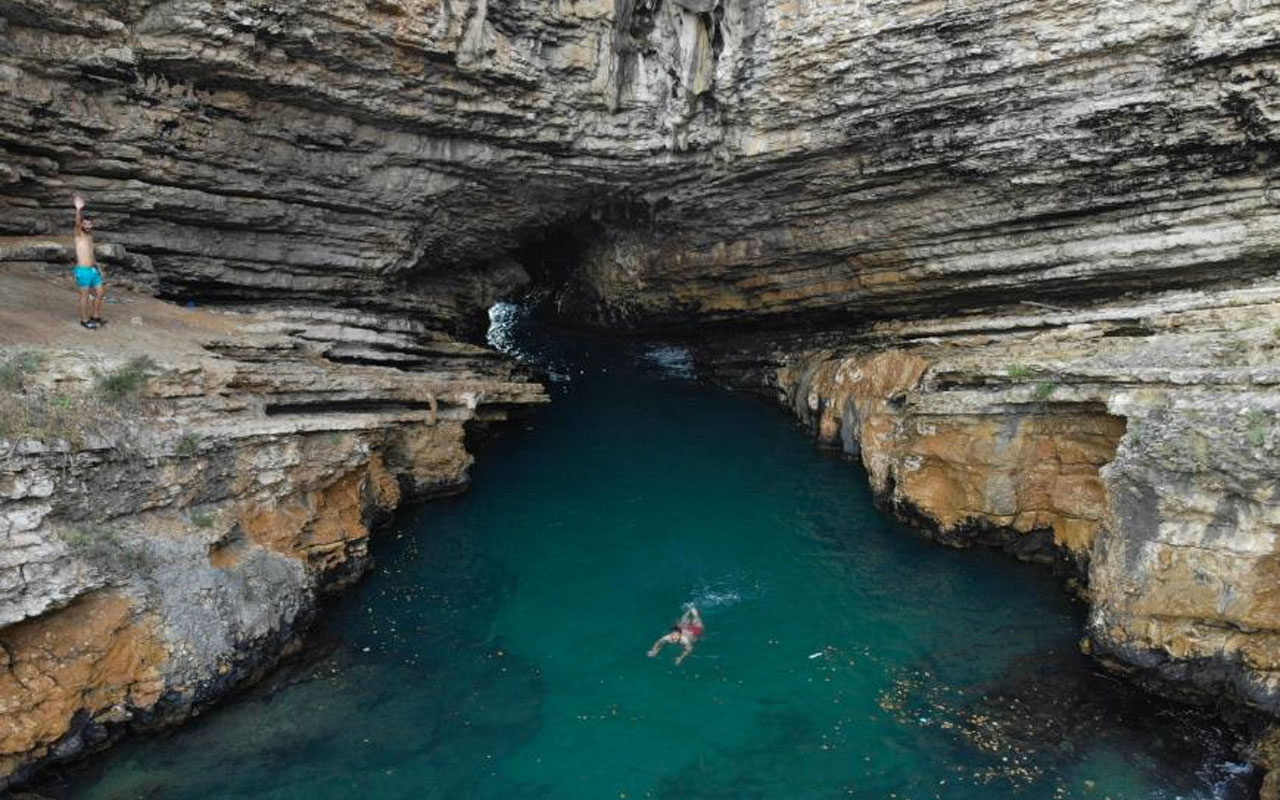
point(177, 488)
point(1136, 439)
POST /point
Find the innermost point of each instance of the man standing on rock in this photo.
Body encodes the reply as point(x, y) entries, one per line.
point(88, 276)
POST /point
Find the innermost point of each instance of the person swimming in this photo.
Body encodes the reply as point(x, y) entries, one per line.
point(686, 633)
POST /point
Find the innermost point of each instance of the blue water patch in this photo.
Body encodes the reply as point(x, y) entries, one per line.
point(499, 648)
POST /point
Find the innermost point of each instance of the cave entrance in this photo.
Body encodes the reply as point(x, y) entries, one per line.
point(553, 255)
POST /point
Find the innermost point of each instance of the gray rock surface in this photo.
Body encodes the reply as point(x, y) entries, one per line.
point(165, 543)
point(1134, 441)
point(719, 160)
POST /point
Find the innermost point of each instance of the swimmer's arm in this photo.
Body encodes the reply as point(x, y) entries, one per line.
point(653, 651)
point(78, 201)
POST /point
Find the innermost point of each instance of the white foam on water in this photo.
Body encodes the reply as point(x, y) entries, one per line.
point(503, 335)
point(502, 321)
point(723, 592)
point(672, 360)
point(714, 599)
point(1224, 780)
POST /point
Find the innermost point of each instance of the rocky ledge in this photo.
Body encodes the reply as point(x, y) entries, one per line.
point(177, 489)
point(1134, 442)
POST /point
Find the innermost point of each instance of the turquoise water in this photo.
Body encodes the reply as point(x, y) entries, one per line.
point(498, 650)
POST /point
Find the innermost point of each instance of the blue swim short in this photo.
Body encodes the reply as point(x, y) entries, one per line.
point(87, 277)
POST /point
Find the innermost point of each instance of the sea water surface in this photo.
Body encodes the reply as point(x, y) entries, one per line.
point(498, 649)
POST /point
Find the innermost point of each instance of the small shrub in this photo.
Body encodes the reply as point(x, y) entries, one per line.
point(15, 370)
point(75, 538)
point(126, 381)
point(1258, 422)
point(188, 445)
point(104, 549)
point(203, 519)
point(38, 416)
point(1019, 372)
point(1044, 389)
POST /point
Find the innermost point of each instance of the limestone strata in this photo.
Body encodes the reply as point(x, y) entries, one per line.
point(711, 160)
point(168, 545)
point(1137, 439)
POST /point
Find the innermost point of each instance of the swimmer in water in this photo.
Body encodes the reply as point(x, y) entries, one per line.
point(686, 633)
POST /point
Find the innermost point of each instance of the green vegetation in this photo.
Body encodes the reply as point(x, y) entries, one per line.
point(1258, 425)
point(188, 445)
point(126, 381)
point(1043, 390)
point(203, 519)
point(28, 411)
point(105, 549)
point(44, 418)
point(17, 368)
point(1019, 372)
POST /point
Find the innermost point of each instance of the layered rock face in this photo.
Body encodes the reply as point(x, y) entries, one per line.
point(1137, 440)
point(167, 520)
point(370, 176)
point(876, 160)
point(741, 160)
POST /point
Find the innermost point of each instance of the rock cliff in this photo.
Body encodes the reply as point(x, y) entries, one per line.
point(1018, 256)
point(1135, 440)
point(177, 489)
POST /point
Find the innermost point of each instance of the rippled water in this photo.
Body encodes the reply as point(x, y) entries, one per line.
point(498, 651)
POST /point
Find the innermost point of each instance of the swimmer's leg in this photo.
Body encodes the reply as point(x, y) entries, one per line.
point(688, 648)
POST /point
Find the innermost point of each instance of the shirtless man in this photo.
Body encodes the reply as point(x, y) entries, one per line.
point(685, 633)
point(88, 277)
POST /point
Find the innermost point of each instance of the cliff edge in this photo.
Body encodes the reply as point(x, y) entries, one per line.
point(178, 488)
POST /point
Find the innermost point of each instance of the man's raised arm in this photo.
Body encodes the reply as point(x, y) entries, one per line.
point(79, 204)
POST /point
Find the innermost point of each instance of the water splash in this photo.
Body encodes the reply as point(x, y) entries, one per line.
point(724, 592)
point(672, 361)
point(508, 333)
point(1226, 780)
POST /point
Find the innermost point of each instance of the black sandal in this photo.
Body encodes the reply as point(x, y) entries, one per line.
point(88, 323)
point(99, 321)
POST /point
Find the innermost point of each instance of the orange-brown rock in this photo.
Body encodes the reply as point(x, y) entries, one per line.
point(241, 477)
point(1141, 435)
point(326, 526)
point(97, 656)
point(1036, 472)
point(1024, 470)
point(433, 458)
